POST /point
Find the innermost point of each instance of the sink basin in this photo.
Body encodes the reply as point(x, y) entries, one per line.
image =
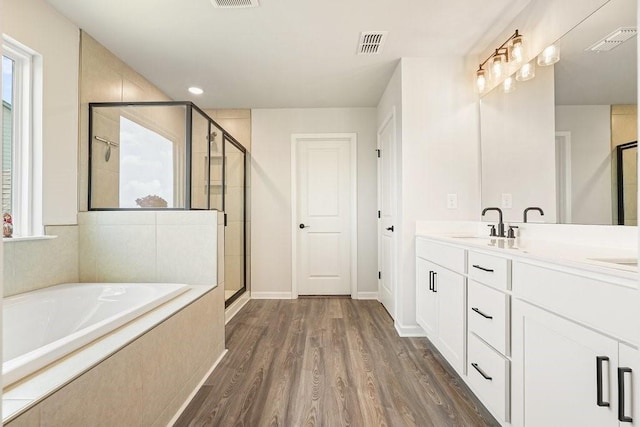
point(631, 262)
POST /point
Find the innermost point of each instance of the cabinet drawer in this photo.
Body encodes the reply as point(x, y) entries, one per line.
point(447, 256)
point(488, 375)
point(490, 269)
point(604, 306)
point(489, 316)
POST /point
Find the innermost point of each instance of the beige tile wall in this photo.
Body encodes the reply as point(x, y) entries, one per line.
point(105, 78)
point(145, 383)
point(35, 264)
point(148, 246)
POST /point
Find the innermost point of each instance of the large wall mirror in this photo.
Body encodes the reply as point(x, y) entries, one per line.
point(566, 141)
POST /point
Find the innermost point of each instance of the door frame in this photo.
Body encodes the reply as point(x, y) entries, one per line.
point(390, 119)
point(352, 140)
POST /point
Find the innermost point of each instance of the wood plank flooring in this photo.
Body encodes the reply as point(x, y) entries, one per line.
point(329, 362)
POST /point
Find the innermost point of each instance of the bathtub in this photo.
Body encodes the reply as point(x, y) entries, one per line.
point(42, 326)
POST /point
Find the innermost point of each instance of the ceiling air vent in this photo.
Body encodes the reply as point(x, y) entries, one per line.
point(613, 40)
point(235, 4)
point(371, 42)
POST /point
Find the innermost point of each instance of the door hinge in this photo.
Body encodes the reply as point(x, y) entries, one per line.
point(379, 152)
point(379, 214)
point(225, 220)
point(379, 274)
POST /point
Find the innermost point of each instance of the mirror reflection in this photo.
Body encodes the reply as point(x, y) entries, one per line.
point(553, 142)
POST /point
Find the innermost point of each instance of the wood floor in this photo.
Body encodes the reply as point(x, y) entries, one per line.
point(329, 362)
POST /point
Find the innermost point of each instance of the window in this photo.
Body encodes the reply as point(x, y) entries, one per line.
point(18, 137)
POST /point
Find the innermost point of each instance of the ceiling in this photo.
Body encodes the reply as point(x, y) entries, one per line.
point(285, 53)
point(604, 78)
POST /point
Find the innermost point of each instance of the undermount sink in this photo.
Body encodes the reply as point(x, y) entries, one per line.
point(631, 262)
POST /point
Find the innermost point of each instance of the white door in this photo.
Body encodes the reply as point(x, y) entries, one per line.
point(387, 214)
point(324, 215)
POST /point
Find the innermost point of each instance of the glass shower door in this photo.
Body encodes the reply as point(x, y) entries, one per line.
point(234, 208)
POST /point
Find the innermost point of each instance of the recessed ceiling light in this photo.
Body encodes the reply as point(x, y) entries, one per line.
point(196, 90)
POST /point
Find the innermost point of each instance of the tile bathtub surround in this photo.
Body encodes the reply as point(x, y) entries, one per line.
point(147, 381)
point(34, 264)
point(149, 246)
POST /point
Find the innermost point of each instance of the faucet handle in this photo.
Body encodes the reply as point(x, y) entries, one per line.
point(511, 233)
point(492, 231)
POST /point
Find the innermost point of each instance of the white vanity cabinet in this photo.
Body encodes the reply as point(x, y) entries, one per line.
point(441, 298)
point(565, 358)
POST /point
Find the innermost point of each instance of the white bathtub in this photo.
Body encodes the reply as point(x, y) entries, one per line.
point(42, 326)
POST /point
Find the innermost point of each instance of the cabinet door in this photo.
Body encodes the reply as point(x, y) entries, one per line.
point(564, 374)
point(627, 374)
point(451, 293)
point(425, 298)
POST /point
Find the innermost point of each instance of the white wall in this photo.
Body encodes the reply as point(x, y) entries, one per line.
point(590, 127)
point(40, 27)
point(518, 148)
point(438, 146)
point(271, 191)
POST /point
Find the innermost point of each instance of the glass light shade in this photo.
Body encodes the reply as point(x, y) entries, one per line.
point(498, 64)
point(526, 72)
point(481, 80)
point(549, 56)
point(517, 50)
point(509, 85)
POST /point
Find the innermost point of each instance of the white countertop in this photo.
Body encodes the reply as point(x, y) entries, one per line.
point(610, 261)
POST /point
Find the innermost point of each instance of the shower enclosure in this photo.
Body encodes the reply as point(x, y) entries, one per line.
point(170, 155)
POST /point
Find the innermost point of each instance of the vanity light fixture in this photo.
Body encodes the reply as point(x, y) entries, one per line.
point(481, 80)
point(549, 56)
point(509, 85)
point(196, 90)
point(526, 72)
point(512, 50)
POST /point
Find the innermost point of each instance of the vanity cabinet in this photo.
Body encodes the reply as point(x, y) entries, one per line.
point(565, 356)
point(441, 301)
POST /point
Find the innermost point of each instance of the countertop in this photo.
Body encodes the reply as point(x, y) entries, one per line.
point(610, 261)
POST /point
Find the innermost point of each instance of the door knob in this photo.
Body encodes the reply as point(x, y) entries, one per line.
point(390, 229)
point(304, 226)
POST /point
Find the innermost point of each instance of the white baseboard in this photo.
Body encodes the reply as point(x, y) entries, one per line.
point(271, 295)
point(237, 305)
point(409, 331)
point(368, 295)
point(196, 389)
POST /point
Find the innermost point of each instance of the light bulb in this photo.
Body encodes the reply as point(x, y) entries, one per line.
point(509, 85)
point(517, 50)
point(497, 66)
point(196, 90)
point(481, 80)
point(526, 72)
point(550, 55)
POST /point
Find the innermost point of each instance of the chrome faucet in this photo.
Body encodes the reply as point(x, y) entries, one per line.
point(500, 232)
point(534, 208)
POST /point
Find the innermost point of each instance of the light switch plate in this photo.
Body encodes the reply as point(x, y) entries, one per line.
point(452, 201)
point(507, 201)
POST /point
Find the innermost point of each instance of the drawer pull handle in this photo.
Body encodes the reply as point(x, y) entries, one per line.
point(599, 360)
point(435, 281)
point(488, 270)
point(477, 310)
point(431, 280)
point(477, 368)
point(621, 397)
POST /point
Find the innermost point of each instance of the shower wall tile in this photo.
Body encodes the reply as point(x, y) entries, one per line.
point(187, 253)
point(148, 246)
point(35, 264)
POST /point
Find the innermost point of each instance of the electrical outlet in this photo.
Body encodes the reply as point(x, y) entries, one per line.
point(507, 201)
point(452, 201)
